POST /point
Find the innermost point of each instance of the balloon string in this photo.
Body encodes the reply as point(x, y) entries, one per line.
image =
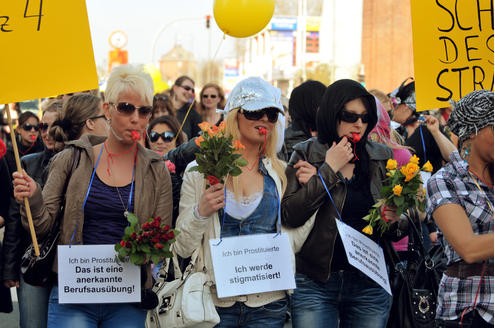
point(218, 48)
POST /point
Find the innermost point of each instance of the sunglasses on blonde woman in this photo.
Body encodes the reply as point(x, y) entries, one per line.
point(128, 109)
point(271, 114)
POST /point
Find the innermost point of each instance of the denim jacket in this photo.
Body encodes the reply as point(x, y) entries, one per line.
point(196, 233)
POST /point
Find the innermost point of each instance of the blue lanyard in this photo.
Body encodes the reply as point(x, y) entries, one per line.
point(423, 143)
point(330, 196)
point(93, 176)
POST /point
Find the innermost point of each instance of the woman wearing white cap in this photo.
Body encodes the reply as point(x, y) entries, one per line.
point(251, 205)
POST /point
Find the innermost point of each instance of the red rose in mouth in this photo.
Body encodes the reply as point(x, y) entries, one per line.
point(135, 135)
point(355, 137)
point(33, 138)
point(262, 131)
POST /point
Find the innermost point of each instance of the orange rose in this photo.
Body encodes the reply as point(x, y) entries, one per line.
point(238, 145)
point(199, 140)
point(204, 126)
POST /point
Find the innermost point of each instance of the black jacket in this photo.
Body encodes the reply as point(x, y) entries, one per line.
point(300, 202)
point(16, 238)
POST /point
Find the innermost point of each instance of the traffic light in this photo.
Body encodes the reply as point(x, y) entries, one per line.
point(208, 17)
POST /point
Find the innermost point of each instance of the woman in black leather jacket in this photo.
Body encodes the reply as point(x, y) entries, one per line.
point(330, 292)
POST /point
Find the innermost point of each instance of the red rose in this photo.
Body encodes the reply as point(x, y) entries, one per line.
point(262, 131)
point(128, 244)
point(170, 235)
point(158, 246)
point(122, 243)
point(170, 166)
point(3, 149)
point(135, 135)
point(166, 227)
point(355, 137)
point(213, 180)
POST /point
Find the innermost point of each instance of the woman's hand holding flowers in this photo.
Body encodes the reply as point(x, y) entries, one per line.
point(339, 154)
point(212, 200)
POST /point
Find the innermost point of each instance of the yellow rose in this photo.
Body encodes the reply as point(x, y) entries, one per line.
point(409, 171)
point(397, 189)
point(368, 229)
point(391, 164)
point(427, 167)
point(414, 159)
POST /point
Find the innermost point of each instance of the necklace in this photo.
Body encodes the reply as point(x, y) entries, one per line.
point(487, 200)
point(111, 156)
point(474, 175)
point(126, 209)
point(253, 165)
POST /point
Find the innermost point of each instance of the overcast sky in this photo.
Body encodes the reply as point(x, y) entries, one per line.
point(159, 23)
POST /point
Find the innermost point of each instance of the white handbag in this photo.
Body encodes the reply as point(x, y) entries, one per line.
point(185, 301)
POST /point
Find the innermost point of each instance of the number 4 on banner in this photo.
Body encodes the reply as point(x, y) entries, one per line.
point(52, 66)
point(39, 15)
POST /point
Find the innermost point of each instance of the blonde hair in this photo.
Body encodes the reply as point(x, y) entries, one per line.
point(129, 78)
point(232, 129)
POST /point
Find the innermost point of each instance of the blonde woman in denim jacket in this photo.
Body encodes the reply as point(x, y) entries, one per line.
point(253, 105)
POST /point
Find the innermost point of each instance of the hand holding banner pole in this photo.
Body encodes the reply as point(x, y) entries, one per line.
point(19, 168)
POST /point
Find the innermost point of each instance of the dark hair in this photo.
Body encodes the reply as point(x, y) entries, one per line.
point(328, 118)
point(178, 82)
point(303, 105)
point(405, 90)
point(26, 116)
point(162, 101)
point(172, 123)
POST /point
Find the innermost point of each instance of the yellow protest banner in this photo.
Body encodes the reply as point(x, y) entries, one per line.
point(453, 49)
point(46, 49)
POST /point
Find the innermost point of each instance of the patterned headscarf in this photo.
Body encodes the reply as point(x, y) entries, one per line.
point(471, 114)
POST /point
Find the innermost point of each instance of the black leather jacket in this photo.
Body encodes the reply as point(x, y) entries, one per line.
point(301, 201)
point(16, 238)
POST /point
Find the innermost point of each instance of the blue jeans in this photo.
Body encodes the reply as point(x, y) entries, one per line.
point(33, 305)
point(347, 299)
point(122, 315)
point(266, 316)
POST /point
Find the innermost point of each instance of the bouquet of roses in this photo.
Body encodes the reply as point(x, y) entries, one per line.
point(403, 189)
point(149, 242)
point(218, 156)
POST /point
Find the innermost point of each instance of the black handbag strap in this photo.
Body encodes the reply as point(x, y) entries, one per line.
point(418, 238)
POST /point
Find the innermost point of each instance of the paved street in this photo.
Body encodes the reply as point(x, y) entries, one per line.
point(10, 320)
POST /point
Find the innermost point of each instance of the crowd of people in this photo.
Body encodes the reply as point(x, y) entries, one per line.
point(134, 152)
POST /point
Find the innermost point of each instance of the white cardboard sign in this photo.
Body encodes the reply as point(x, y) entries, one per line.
point(364, 254)
point(92, 274)
point(252, 264)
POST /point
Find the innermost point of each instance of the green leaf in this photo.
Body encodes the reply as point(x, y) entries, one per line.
point(193, 169)
point(398, 201)
point(137, 259)
point(156, 259)
point(132, 218)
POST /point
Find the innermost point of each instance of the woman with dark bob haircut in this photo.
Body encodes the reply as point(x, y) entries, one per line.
point(337, 175)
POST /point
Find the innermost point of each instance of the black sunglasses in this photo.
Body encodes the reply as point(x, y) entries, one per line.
point(353, 117)
point(128, 109)
point(211, 96)
point(187, 88)
point(43, 126)
point(28, 127)
point(97, 117)
point(166, 136)
point(271, 114)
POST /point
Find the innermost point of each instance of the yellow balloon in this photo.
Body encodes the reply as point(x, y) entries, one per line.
point(158, 84)
point(243, 18)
